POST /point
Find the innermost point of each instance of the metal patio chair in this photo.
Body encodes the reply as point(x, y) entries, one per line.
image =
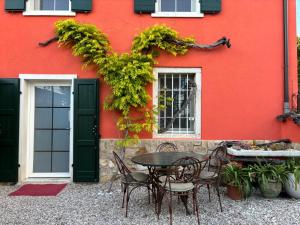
point(211, 175)
point(182, 181)
point(133, 179)
point(167, 147)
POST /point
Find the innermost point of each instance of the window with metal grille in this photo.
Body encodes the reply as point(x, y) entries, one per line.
point(177, 5)
point(52, 5)
point(174, 91)
point(49, 8)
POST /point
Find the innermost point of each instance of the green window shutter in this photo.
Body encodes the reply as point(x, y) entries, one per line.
point(14, 5)
point(144, 6)
point(9, 129)
point(86, 128)
point(81, 5)
point(210, 6)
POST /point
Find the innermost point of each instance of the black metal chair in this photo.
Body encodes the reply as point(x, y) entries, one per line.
point(132, 179)
point(167, 147)
point(182, 181)
point(211, 175)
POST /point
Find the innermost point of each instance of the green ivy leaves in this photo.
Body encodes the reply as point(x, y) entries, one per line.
point(126, 74)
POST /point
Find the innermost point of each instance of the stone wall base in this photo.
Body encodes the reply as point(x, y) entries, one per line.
point(107, 146)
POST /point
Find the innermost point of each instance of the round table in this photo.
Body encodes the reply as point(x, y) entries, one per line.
point(165, 159)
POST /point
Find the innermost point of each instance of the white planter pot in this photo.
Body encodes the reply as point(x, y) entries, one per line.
point(290, 187)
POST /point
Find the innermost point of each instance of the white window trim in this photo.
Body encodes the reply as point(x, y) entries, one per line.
point(31, 12)
point(197, 72)
point(25, 142)
point(158, 12)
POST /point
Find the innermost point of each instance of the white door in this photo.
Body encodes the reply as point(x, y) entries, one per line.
point(50, 125)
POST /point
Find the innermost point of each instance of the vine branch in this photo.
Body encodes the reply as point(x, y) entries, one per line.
point(46, 43)
point(222, 41)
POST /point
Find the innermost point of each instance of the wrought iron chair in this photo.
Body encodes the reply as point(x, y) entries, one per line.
point(181, 181)
point(167, 147)
point(211, 175)
point(129, 179)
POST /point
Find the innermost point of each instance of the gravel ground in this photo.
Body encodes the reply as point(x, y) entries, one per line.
point(91, 204)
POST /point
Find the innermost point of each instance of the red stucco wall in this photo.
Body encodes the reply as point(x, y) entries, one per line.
point(242, 87)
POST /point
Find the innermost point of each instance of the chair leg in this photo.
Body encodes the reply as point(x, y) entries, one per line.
point(170, 208)
point(124, 193)
point(127, 200)
point(184, 199)
point(219, 197)
point(158, 203)
point(208, 188)
point(149, 200)
point(196, 206)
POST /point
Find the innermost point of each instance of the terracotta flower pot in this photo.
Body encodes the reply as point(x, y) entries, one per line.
point(234, 192)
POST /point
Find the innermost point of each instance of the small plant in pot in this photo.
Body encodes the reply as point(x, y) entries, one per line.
point(270, 178)
point(292, 184)
point(238, 181)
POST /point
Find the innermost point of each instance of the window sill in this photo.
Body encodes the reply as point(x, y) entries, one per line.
point(49, 13)
point(178, 14)
point(191, 136)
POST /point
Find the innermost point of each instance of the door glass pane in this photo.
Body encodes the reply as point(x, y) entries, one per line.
point(42, 162)
point(47, 4)
point(61, 96)
point(183, 5)
point(42, 140)
point(62, 5)
point(168, 5)
point(52, 129)
point(60, 162)
point(43, 118)
point(43, 96)
point(61, 140)
point(61, 118)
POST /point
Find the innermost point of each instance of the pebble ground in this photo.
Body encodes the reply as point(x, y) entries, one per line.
point(80, 204)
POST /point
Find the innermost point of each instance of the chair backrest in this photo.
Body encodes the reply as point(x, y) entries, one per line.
point(167, 147)
point(187, 169)
point(217, 157)
point(123, 169)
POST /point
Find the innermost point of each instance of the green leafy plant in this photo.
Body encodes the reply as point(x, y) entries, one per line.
point(127, 74)
point(265, 173)
point(236, 176)
point(293, 166)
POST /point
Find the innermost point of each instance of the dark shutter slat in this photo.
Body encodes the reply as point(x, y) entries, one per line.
point(86, 126)
point(144, 6)
point(9, 129)
point(81, 5)
point(210, 6)
point(15, 5)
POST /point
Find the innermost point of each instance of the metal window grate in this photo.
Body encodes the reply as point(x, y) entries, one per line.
point(176, 86)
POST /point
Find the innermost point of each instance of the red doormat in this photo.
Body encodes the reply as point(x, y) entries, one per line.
point(38, 190)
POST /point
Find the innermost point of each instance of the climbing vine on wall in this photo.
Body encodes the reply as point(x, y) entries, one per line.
point(127, 74)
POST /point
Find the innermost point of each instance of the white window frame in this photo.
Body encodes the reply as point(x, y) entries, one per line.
point(197, 113)
point(159, 13)
point(30, 11)
point(27, 81)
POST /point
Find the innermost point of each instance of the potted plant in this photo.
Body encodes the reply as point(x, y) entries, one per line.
point(270, 178)
point(238, 181)
point(293, 181)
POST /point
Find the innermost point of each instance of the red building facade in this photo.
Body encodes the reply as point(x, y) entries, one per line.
point(240, 90)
